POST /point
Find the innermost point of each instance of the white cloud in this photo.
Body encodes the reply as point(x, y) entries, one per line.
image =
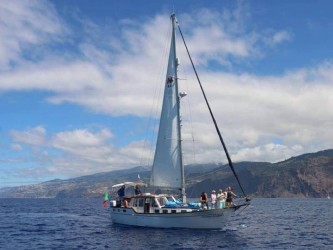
point(84, 144)
point(16, 147)
point(81, 138)
point(281, 36)
point(122, 81)
point(75, 152)
point(255, 111)
point(23, 25)
point(275, 152)
point(34, 136)
point(59, 77)
point(220, 37)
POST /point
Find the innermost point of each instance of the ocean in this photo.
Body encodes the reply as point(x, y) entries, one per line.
point(85, 224)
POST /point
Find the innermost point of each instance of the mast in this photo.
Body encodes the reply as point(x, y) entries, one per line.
point(183, 192)
point(168, 167)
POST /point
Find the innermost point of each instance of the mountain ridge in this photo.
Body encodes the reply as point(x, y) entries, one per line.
point(307, 175)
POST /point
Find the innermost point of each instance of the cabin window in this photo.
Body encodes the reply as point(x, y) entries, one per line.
point(171, 198)
point(165, 211)
point(160, 201)
point(157, 211)
point(163, 201)
point(173, 211)
point(154, 203)
point(141, 202)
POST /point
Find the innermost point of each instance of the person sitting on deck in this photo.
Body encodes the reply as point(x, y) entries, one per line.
point(229, 196)
point(137, 190)
point(204, 200)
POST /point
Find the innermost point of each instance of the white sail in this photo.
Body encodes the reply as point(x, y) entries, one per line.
point(167, 165)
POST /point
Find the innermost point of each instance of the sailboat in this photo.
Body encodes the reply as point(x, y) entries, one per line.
point(163, 210)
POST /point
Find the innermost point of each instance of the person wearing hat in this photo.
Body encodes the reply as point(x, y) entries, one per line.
point(220, 199)
point(213, 199)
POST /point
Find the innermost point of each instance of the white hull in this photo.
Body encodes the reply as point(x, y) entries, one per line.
point(203, 219)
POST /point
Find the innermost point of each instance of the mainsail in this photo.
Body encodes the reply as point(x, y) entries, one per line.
point(167, 166)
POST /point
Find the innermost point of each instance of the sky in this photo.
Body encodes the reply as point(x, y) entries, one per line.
point(81, 82)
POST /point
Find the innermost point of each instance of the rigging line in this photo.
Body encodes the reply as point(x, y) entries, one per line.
point(211, 114)
point(188, 110)
point(243, 209)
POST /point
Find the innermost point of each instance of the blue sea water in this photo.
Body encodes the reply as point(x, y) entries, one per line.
point(85, 224)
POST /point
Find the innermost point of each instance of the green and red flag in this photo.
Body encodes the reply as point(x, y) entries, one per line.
point(106, 198)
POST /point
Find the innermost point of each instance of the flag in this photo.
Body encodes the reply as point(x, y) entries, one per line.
point(106, 198)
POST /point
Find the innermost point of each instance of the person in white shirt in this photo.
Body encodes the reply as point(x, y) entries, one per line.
point(213, 199)
point(221, 199)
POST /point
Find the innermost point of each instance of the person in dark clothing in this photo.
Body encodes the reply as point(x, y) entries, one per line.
point(230, 194)
point(204, 200)
point(121, 192)
point(121, 195)
point(137, 190)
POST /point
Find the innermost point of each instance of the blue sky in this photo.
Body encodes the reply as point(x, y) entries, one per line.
point(80, 82)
